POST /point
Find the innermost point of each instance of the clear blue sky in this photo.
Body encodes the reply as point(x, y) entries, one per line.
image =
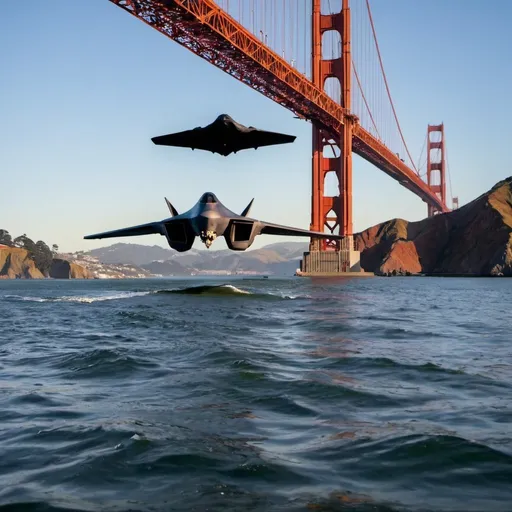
point(84, 86)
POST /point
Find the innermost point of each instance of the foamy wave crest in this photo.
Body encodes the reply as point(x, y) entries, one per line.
point(230, 290)
point(85, 299)
point(291, 297)
point(115, 296)
point(23, 298)
point(235, 290)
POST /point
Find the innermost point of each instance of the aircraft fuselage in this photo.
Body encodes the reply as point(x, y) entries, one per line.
point(208, 220)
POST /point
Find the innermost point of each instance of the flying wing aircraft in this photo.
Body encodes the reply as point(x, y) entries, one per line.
point(209, 219)
point(223, 136)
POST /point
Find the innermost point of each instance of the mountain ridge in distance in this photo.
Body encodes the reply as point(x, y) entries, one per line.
point(280, 258)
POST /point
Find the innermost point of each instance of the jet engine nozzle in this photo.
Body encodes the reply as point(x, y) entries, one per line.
point(208, 237)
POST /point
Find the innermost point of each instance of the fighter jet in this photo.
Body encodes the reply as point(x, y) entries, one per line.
point(209, 219)
point(223, 136)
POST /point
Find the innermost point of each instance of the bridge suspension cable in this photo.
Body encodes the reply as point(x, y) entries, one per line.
point(448, 170)
point(252, 41)
point(422, 164)
point(364, 99)
point(387, 85)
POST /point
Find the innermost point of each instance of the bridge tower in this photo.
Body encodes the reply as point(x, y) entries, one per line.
point(436, 165)
point(332, 213)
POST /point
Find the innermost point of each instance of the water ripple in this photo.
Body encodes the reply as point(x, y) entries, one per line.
point(386, 395)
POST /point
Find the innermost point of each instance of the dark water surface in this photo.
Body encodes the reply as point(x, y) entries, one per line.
point(361, 395)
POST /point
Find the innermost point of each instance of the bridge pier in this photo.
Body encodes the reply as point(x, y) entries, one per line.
point(344, 262)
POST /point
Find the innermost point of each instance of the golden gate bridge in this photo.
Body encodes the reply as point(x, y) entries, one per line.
point(321, 60)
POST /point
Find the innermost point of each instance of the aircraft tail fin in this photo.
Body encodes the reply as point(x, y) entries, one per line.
point(247, 208)
point(173, 210)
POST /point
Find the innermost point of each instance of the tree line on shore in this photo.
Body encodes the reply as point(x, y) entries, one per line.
point(38, 251)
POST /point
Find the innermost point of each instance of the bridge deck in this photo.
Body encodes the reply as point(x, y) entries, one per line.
point(208, 31)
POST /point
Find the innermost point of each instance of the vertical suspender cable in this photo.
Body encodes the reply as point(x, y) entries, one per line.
point(364, 99)
point(447, 168)
point(305, 38)
point(283, 28)
point(292, 11)
point(386, 84)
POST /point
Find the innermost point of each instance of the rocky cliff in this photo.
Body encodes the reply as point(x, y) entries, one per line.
point(62, 269)
point(476, 239)
point(16, 264)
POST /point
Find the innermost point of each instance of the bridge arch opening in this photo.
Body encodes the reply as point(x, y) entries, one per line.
point(332, 87)
point(331, 45)
point(331, 185)
point(435, 136)
point(330, 6)
point(435, 178)
point(331, 226)
point(331, 151)
point(436, 155)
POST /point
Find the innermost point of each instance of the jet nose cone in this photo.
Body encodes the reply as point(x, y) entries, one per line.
point(224, 117)
point(208, 198)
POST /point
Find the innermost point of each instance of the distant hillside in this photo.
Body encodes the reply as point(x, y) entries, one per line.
point(277, 258)
point(289, 250)
point(134, 254)
point(102, 270)
point(166, 268)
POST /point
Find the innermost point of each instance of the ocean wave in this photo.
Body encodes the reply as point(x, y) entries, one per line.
point(87, 299)
point(101, 362)
point(226, 290)
point(115, 296)
point(218, 289)
point(229, 290)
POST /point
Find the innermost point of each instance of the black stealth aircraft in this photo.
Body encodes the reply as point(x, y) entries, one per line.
point(223, 136)
point(209, 219)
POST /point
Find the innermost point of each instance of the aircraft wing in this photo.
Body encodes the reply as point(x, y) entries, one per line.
point(278, 229)
point(198, 138)
point(143, 229)
point(223, 139)
point(258, 138)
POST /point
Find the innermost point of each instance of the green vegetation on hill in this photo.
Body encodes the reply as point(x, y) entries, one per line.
point(38, 251)
point(5, 238)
